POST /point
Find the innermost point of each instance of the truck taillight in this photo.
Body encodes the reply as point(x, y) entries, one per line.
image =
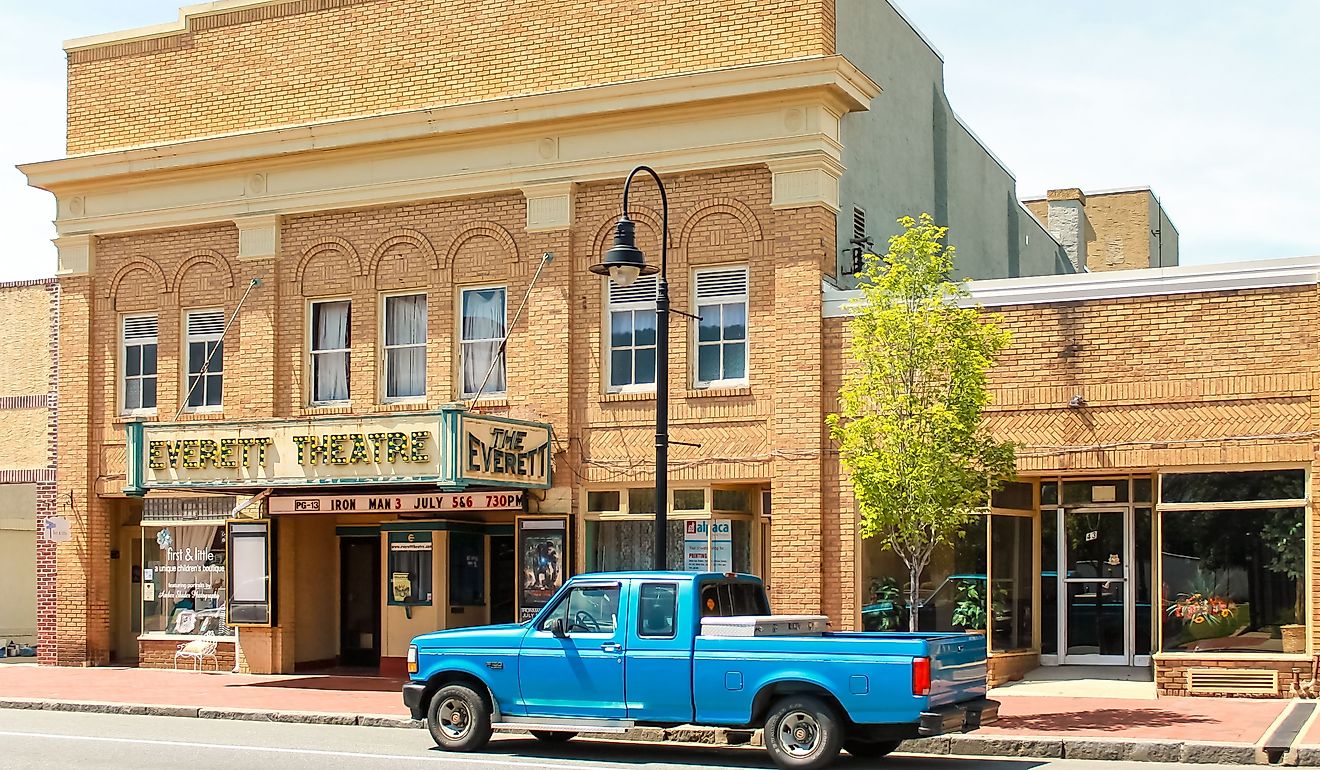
point(921, 676)
point(412, 659)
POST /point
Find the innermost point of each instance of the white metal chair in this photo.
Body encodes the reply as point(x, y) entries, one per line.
point(198, 650)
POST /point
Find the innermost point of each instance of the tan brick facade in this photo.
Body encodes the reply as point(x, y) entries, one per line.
point(263, 64)
point(1122, 229)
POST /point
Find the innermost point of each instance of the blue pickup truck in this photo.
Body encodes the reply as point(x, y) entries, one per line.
point(612, 651)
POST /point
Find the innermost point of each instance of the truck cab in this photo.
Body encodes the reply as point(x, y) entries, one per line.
point(612, 651)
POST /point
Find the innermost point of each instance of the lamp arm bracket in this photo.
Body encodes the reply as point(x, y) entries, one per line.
point(688, 315)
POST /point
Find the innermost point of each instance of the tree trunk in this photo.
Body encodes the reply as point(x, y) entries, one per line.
point(914, 595)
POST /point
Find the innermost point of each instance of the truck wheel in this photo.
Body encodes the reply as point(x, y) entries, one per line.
point(459, 719)
point(803, 733)
point(553, 736)
point(869, 749)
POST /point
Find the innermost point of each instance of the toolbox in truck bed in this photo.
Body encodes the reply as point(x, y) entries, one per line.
point(765, 625)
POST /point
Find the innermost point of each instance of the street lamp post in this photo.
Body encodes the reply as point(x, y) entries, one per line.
point(623, 263)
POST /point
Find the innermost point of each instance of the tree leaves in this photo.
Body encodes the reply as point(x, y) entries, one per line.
point(910, 426)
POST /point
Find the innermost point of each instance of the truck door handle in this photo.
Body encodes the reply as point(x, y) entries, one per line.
point(611, 647)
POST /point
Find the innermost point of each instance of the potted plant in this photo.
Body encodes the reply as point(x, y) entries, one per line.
point(970, 611)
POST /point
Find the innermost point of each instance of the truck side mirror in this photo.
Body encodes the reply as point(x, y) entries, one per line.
point(556, 627)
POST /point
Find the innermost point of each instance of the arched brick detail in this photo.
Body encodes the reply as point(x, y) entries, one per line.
point(478, 230)
point(730, 206)
point(200, 257)
point(605, 233)
point(138, 262)
point(404, 235)
point(328, 243)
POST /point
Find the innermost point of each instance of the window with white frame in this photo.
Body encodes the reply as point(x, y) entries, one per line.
point(140, 342)
point(721, 303)
point(632, 335)
point(206, 359)
point(405, 346)
point(331, 343)
point(481, 329)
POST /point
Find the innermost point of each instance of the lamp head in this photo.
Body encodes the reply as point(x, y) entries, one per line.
point(624, 262)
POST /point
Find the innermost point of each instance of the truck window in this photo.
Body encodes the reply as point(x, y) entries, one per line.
point(587, 610)
point(723, 600)
point(659, 607)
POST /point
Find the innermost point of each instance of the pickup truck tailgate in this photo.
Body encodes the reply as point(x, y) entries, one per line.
point(957, 668)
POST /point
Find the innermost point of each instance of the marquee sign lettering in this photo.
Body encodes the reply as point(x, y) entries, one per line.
point(451, 449)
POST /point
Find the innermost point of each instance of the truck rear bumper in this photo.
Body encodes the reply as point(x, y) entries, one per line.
point(413, 695)
point(958, 718)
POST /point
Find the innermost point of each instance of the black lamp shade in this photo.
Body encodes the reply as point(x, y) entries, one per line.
point(624, 253)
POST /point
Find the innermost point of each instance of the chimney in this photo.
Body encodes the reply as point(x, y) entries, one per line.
point(1067, 223)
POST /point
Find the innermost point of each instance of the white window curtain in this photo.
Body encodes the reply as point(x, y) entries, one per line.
point(405, 346)
point(330, 349)
point(482, 332)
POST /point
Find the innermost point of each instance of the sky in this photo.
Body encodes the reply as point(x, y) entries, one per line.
point(1212, 103)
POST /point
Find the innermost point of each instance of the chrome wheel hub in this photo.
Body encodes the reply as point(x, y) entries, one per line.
point(455, 720)
point(799, 734)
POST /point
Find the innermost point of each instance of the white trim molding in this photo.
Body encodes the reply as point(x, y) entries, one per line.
point(258, 236)
point(783, 112)
point(549, 206)
point(76, 254)
point(1148, 282)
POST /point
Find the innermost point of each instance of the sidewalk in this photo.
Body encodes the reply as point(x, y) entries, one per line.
point(1188, 730)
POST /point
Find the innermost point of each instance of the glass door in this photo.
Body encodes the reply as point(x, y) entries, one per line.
point(1096, 603)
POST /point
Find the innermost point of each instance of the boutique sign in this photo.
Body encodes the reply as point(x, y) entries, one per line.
point(450, 449)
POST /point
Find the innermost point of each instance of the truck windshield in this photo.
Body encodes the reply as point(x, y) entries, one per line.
point(727, 599)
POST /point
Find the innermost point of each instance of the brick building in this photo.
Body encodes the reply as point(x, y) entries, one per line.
point(27, 461)
point(286, 263)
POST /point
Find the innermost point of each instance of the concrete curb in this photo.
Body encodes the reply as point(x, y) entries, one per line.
point(1037, 747)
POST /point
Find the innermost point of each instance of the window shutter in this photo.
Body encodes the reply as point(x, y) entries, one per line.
point(641, 290)
point(139, 328)
point(716, 284)
point(206, 323)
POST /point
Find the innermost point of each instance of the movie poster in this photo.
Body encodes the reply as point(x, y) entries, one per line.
point(542, 558)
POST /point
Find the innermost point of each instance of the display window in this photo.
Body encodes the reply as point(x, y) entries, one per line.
point(183, 579)
point(710, 529)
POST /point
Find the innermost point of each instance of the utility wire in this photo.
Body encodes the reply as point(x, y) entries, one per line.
point(546, 258)
point(206, 365)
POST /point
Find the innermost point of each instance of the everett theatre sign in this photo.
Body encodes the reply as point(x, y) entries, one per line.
point(449, 449)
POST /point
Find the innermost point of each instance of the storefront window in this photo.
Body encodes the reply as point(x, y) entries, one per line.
point(183, 580)
point(1011, 582)
point(1235, 487)
point(689, 499)
point(1099, 491)
point(642, 501)
point(731, 500)
point(1049, 578)
point(603, 501)
point(1233, 579)
point(953, 587)
point(616, 546)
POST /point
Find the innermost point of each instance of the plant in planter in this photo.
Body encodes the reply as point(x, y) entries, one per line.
point(970, 611)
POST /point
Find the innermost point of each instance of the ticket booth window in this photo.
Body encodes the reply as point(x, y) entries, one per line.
point(410, 565)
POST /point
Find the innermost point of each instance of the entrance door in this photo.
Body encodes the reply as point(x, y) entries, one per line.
point(1096, 616)
point(359, 601)
point(503, 579)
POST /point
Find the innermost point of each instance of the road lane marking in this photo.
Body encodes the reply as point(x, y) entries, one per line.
point(464, 759)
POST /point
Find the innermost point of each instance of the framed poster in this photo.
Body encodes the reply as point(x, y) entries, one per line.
point(543, 556)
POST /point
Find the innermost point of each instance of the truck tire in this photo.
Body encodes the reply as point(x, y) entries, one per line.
point(869, 749)
point(458, 719)
point(553, 736)
point(803, 733)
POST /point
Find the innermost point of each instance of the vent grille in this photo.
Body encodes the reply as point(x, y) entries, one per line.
point(1234, 681)
point(716, 284)
point(142, 327)
point(641, 290)
point(859, 224)
point(206, 323)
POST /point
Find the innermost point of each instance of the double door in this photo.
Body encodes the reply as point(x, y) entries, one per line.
point(1104, 586)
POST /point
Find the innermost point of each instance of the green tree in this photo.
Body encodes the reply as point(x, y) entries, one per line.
point(910, 428)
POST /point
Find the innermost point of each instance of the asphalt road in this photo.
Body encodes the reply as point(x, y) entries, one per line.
point(47, 739)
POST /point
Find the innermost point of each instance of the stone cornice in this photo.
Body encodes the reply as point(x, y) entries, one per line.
point(1147, 282)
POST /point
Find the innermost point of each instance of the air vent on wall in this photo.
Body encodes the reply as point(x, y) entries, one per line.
point(1232, 681)
point(140, 327)
point(713, 284)
point(641, 290)
point(206, 322)
point(859, 224)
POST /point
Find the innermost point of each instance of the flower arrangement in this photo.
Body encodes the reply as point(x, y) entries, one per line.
point(1200, 608)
